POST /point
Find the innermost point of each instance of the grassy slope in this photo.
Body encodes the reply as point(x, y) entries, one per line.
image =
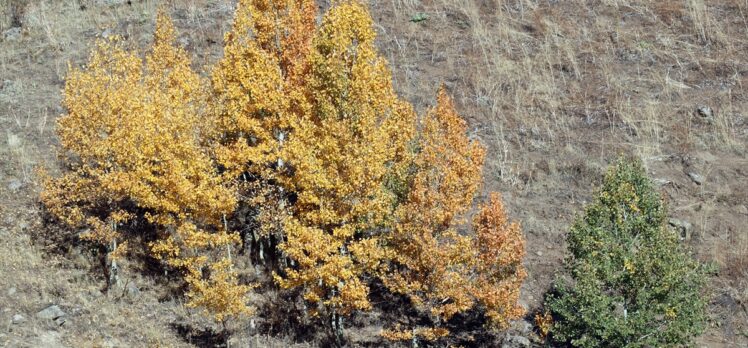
point(556, 89)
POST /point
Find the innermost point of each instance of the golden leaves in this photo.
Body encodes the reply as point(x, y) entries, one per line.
point(133, 129)
point(343, 149)
point(301, 123)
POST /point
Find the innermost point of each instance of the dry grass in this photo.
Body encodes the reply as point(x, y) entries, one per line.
point(629, 75)
point(555, 88)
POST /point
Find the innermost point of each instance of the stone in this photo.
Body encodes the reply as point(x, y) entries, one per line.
point(523, 327)
point(109, 2)
point(132, 290)
point(514, 341)
point(12, 291)
point(14, 141)
point(697, 178)
point(705, 111)
point(184, 41)
point(50, 313)
point(743, 210)
point(539, 253)
point(12, 34)
point(683, 227)
point(18, 319)
point(15, 185)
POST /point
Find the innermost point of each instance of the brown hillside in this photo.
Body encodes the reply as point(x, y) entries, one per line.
point(555, 89)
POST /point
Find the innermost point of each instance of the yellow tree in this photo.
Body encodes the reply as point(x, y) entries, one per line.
point(342, 152)
point(256, 90)
point(257, 84)
point(440, 270)
point(499, 248)
point(135, 139)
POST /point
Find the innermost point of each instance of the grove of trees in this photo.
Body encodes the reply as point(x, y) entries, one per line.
point(294, 153)
point(298, 124)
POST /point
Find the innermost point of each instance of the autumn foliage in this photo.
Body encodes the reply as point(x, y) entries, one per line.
point(300, 123)
point(439, 269)
point(134, 136)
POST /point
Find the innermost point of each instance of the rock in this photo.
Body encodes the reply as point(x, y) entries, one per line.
point(620, 310)
point(539, 253)
point(111, 342)
point(132, 290)
point(743, 210)
point(662, 182)
point(523, 327)
point(14, 185)
point(18, 319)
point(59, 321)
point(14, 141)
point(697, 178)
point(50, 313)
point(705, 111)
point(12, 34)
point(683, 227)
point(109, 2)
point(12, 291)
point(514, 341)
point(184, 41)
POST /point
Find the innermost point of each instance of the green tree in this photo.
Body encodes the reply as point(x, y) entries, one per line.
point(634, 285)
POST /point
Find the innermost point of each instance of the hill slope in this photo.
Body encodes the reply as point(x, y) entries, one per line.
point(555, 88)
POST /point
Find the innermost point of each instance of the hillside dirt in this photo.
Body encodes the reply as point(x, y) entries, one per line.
point(555, 89)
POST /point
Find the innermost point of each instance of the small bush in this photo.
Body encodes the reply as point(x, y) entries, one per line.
point(633, 284)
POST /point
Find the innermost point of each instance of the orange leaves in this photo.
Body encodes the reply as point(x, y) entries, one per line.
point(500, 250)
point(217, 294)
point(257, 84)
point(449, 165)
point(443, 272)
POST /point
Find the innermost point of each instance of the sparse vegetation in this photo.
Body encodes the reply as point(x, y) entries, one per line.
point(550, 89)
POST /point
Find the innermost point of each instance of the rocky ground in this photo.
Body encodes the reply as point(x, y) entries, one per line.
point(556, 89)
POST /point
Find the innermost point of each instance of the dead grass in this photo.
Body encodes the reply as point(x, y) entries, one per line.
point(555, 88)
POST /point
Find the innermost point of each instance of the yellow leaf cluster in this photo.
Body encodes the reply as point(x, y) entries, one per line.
point(342, 150)
point(134, 136)
point(257, 87)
